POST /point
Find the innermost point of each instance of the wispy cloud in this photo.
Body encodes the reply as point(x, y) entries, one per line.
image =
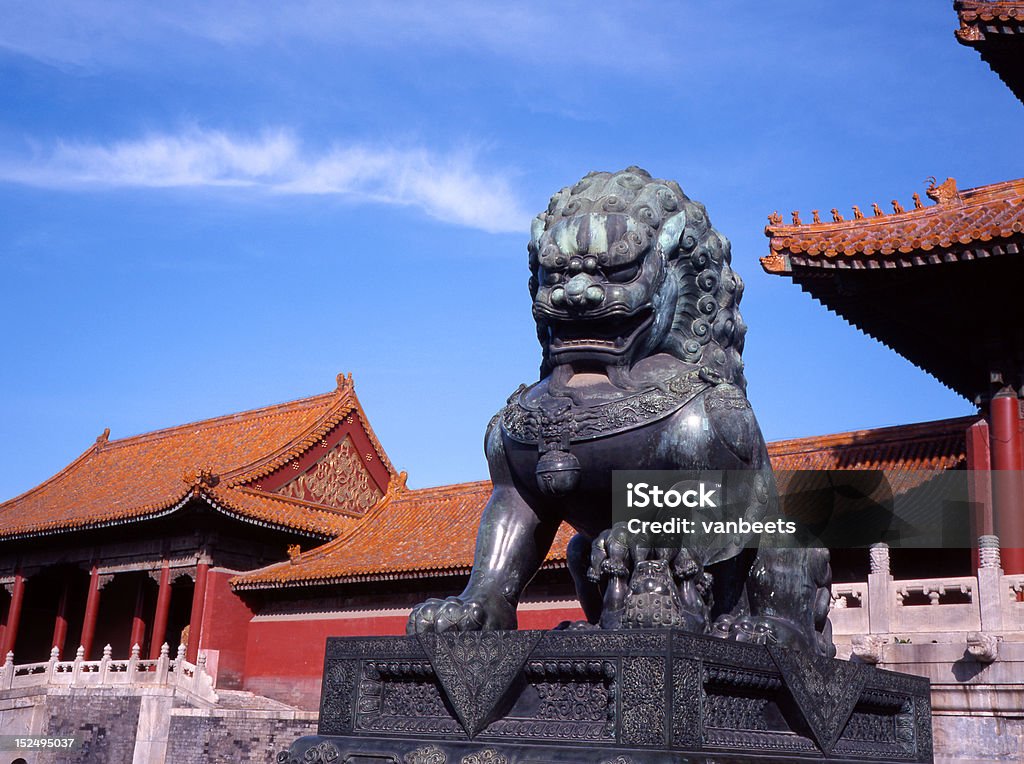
point(115, 32)
point(448, 187)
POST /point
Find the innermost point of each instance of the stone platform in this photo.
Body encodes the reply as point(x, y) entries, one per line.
point(621, 697)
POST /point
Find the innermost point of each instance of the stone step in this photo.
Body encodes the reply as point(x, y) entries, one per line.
point(248, 701)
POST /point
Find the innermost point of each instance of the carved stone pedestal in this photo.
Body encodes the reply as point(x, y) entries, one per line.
point(607, 697)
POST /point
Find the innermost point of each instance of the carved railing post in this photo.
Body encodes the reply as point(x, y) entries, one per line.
point(179, 666)
point(199, 674)
point(990, 584)
point(133, 663)
point(881, 597)
point(105, 663)
point(51, 668)
point(163, 664)
point(7, 673)
point(76, 667)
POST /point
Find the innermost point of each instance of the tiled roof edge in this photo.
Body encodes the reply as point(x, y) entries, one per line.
point(873, 435)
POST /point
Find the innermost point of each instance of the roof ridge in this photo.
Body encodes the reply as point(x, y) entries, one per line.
point(466, 487)
point(950, 195)
point(342, 406)
point(256, 413)
point(345, 404)
point(887, 434)
point(292, 501)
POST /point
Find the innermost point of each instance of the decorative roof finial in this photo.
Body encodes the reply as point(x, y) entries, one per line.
point(294, 550)
point(103, 437)
point(917, 201)
point(857, 214)
point(345, 382)
point(200, 478)
point(944, 193)
point(816, 216)
point(876, 210)
point(775, 218)
point(897, 207)
point(397, 484)
point(796, 217)
point(836, 217)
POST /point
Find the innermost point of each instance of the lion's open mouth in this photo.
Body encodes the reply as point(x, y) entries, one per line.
point(612, 334)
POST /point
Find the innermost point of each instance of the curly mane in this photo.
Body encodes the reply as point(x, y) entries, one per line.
point(706, 327)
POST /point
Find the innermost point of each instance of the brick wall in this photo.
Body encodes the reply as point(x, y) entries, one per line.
point(199, 737)
point(104, 722)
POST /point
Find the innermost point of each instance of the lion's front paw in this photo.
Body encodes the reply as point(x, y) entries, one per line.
point(761, 630)
point(461, 614)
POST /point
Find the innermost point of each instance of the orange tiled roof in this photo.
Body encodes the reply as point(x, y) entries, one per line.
point(968, 224)
point(1007, 16)
point(411, 534)
point(939, 445)
point(117, 481)
point(432, 531)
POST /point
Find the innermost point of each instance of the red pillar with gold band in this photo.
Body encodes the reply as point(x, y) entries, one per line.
point(195, 621)
point(92, 609)
point(1007, 488)
point(60, 621)
point(163, 607)
point(138, 633)
point(13, 616)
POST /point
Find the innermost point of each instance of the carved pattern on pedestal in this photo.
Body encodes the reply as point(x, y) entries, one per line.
point(336, 707)
point(427, 754)
point(686, 708)
point(643, 700)
point(824, 689)
point(476, 669)
point(485, 756)
point(324, 752)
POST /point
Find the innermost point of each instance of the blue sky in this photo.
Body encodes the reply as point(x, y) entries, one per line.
point(208, 207)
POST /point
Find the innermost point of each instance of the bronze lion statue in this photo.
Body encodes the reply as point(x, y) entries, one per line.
point(637, 313)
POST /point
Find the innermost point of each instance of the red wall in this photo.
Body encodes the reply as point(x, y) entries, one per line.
point(284, 655)
point(226, 623)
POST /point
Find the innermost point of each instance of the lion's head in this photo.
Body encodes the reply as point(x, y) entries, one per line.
point(624, 266)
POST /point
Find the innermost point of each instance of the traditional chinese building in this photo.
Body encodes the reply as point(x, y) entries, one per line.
point(135, 541)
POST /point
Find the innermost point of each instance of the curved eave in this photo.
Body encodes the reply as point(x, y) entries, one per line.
point(156, 512)
point(788, 263)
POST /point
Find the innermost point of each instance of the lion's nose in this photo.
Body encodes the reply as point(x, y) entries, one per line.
point(581, 291)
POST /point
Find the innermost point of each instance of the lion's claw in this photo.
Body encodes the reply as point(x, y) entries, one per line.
point(460, 614)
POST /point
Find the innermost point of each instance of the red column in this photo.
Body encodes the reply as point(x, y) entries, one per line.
point(92, 609)
point(163, 606)
point(13, 616)
point(60, 624)
point(138, 620)
point(1004, 415)
point(195, 621)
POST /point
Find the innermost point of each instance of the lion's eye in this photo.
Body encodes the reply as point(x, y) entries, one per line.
point(551, 278)
point(624, 274)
